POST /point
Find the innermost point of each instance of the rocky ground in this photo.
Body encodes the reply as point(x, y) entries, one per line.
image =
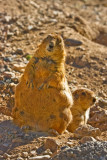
point(83, 26)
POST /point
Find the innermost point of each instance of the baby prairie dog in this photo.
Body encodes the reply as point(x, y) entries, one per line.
point(42, 98)
point(83, 100)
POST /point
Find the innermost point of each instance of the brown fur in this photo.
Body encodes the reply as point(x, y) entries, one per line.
point(42, 98)
point(83, 100)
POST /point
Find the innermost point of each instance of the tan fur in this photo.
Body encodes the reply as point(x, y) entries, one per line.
point(42, 98)
point(83, 100)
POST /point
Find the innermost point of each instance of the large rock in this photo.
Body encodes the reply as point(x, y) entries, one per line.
point(87, 151)
point(98, 118)
point(86, 130)
point(51, 144)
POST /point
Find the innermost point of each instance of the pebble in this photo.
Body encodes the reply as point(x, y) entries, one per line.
point(2, 69)
point(44, 157)
point(20, 158)
point(102, 103)
point(7, 18)
point(87, 130)
point(65, 147)
point(99, 118)
point(30, 27)
point(12, 85)
point(19, 68)
point(47, 152)
point(2, 84)
point(6, 145)
point(17, 140)
point(15, 80)
point(9, 75)
point(6, 155)
point(51, 144)
point(19, 51)
point(69, 144)
point(2, 47)
point(87, 138)
point(34, 4)
point(7, 59)
point(25, 154)
point(9, 34)
point(33, 153)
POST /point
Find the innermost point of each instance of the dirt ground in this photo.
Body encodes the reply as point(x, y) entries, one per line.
point(23, 25)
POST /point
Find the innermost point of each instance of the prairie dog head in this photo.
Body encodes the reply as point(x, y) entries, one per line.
point(53, 48)
point(83, 98)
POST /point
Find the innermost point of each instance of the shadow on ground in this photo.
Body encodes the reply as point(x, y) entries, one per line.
point(12, 136)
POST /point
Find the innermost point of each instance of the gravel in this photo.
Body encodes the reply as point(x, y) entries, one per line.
point(87, 151)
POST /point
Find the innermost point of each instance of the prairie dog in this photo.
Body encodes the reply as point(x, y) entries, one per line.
point(83, 100)
point(42, 98)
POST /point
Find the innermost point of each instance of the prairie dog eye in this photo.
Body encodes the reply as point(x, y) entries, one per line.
point(83, 93)
point(50, 47)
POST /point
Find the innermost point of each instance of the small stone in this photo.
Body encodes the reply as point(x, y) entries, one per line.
point(47, 152)
point(8, 80)
point(81, 62)
point(2, 69)
point(2, 84)
point(98, 117)
point(87, 138)
point(20, 158)
point(12, 86)
point(1, 48)
point(102, 103)
point(72, 42)
point(25, 154)
point(17, 140)
point(53, 132)
point(19, 68)
point(80, 48)
point(34, 4)
point(7, 59)
point(30, 27)
point(51, 144)
point(19, 154)
point(65, 147)
point(9, 75)
point(44, 157)
point(86, 130)
point(6, 145)
point(9, 34)
point(19, 51)
point(8, 18)
point(33, 153)
point(15, 80)
point(8, 44)
point(53, 20)
point(69, 144)
point(6, 155)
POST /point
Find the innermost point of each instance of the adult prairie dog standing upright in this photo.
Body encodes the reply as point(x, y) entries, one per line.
point(42, 98)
